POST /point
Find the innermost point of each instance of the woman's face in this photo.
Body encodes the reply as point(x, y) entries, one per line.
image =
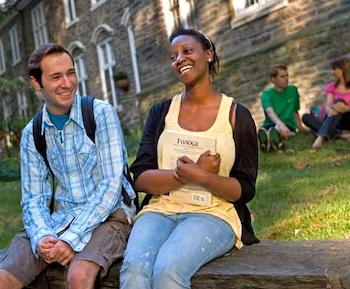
point(337, 73)
point(190, 62)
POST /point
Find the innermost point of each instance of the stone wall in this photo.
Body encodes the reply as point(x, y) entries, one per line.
point(312, 36)
point(304, 35)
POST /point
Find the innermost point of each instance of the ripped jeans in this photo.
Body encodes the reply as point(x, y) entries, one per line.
point(165, 251)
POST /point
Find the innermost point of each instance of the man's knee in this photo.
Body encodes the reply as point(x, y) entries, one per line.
point(8, 281)
point(82, 273)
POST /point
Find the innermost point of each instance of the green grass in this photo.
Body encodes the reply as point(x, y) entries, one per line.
point(10, 211)
point(302, 194)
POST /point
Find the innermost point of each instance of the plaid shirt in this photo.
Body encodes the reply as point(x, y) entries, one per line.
point(88, 176)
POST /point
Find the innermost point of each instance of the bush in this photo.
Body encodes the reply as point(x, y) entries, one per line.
point(10, 169)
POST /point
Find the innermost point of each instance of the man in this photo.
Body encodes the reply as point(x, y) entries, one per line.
point(281, 105)
point(87, 232)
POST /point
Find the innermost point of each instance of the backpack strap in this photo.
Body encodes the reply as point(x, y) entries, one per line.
point(87, 107)
point(40, 145)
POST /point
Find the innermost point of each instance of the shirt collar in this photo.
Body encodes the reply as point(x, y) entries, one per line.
point(75, 114)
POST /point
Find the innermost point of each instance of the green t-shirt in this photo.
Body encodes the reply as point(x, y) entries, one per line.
point(284, 104)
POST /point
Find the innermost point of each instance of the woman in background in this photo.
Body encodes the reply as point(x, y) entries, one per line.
point(337, 106)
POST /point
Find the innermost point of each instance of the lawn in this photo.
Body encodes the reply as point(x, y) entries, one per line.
point(302, 194)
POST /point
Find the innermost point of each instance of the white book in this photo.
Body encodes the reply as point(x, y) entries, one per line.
point(175, 145)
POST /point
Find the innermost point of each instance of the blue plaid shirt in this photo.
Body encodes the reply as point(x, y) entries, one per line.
point(88, 175)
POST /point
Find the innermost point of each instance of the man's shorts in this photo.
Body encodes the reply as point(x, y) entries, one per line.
point(107, 244)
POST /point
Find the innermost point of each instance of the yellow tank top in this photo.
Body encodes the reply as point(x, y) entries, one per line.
point(225, 146)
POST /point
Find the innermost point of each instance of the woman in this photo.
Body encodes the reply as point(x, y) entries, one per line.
point(172, 239)
point(337, 106)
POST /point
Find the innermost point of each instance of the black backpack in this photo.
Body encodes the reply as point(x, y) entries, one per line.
point(87, 106)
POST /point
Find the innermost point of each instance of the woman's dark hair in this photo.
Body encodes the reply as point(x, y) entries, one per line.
point(344, 65)
point(204, 41)
point(34, 63)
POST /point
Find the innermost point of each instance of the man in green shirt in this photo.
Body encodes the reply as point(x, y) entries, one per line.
point(281, 106)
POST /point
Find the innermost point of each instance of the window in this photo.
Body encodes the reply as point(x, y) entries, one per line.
point(180, 13)
point(2, 58)
point(22, 104)
point(134, 58)
point(6, 110)
point(69, 8)
point(16, 54)
point(39, 25)
point(81, 74)
point(248, 10)
point(96, 3)
point(107, 65)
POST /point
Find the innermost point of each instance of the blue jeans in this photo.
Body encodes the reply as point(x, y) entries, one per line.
point(165, 251)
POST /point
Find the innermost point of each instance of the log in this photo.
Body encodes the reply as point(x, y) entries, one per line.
point(269, 265)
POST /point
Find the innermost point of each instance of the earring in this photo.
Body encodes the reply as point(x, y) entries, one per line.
point(209, 59)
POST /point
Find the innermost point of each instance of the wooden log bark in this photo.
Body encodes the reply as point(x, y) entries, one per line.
point(269, 265)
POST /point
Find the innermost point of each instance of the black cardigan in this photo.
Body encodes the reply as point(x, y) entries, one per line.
point(244, 169)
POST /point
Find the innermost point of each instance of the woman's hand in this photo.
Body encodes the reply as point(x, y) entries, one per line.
point(340, 107)
point(209, 162)
point(189, 172)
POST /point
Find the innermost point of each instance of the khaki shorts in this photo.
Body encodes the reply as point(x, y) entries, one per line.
point(107, 244)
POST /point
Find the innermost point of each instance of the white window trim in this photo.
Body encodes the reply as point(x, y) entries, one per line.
point(22, 104)
point(184, 10)
point(67, 10)
point(110, 67)
point(40, 29)
point(95, 4)
point(15, 51)
point(82, 77)
point(134, 58)
point(2, 58)
point(254, 12)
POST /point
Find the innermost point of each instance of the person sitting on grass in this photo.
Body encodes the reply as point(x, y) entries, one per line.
point(281, 106)
point(337, 120)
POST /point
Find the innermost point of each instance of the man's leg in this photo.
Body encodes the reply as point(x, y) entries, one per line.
point(8, 281)
point(82, 274)
point(107, 244)
point(19, 266)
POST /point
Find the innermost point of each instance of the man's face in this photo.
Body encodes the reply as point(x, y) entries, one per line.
point(59, 82)
point(281, 80)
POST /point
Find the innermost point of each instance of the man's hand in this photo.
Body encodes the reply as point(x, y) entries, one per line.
point(62, 253)
point(209, 162)
point(45, 246)
point(283, 130)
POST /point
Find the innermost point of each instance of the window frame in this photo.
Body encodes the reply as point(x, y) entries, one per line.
point(2, 58)
point(96, 3)
point(22, 104)
point(182, 9)
point(80, 69)
point(39, 29)
point(243, 15)
point(14, 42)
point(111, 67)
point(70, 12)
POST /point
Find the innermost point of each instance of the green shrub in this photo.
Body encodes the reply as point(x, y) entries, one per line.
point(10, 169)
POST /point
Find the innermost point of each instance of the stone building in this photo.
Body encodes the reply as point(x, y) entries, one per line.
point(106, 36)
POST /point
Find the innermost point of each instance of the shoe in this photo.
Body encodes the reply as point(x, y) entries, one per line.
point(264, 140)
point(275, 139)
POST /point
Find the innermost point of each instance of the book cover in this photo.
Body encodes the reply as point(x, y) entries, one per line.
point(178, 144)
